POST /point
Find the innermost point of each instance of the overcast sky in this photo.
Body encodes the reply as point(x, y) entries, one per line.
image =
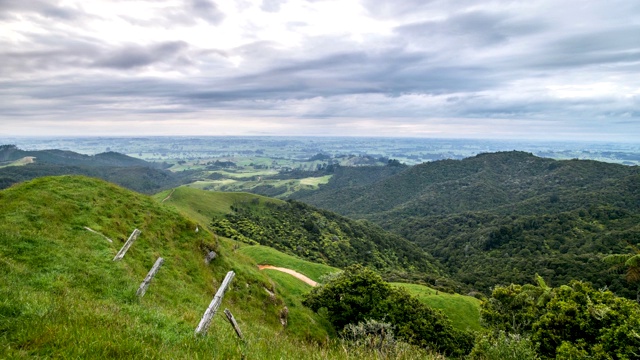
point(452, 68)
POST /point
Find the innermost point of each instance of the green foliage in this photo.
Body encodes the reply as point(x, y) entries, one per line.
point(359, 294)
point(570, 321)
point(515, 308)
point(373, 334)
point(598, 322)
point(321, 236)
point(520, 213)
point(503, 346)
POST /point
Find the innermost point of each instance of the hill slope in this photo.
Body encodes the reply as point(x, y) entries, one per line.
point(62, 296)
point(304, 231)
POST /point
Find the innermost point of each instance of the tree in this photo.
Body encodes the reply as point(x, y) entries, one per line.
point(630, 262)
point(351, 297)
point(582, 319)
point(359, 294)
point(568, 322)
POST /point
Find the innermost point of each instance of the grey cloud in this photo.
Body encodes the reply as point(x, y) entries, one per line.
point(206, 10)
point(51, 9)
point(132, 56)
point(62, 53)
point(620, 45)
point(475, 29)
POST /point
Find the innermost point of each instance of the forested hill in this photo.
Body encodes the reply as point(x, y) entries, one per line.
point(502, 217)
point(132, 173)
point(10, 153)
point(504, 182)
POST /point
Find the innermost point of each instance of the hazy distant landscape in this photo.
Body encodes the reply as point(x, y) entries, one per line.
point(409, 151)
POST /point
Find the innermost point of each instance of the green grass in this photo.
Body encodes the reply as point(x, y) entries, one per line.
point(201, 205)
point(62, 296)
point(315, 181)
point(20, 162)
point(265, 255)
point(464, 311)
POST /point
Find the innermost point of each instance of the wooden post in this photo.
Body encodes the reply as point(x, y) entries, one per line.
point(214, 305)
point(95, 232)
point(284, 316)
point(210, 256)
point(127, 245)
point(233, 322)
point(147, 280)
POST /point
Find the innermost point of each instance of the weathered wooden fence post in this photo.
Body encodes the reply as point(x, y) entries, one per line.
point(214, 305)
point(233, 322)
point(127, 245)
point(147, 280)
point(210, 256)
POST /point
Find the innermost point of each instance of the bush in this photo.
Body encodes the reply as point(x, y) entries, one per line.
point(358, 295)
point(503, 346)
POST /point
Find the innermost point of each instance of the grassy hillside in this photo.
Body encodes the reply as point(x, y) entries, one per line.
point(463, 311)
point(204, 205)
point(265, 255)
point(62, 296)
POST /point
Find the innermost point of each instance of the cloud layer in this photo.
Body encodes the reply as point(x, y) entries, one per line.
point(507, 68)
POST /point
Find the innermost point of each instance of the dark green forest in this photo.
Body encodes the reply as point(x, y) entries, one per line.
point(500, 218)
point(325, 237)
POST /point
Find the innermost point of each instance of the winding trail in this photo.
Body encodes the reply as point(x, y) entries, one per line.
point(168, 196)
point(290, 272)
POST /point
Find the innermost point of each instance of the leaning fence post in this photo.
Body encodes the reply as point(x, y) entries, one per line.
point(127, 245)
point(214, 305)
point(233, 322)
point(147, 280)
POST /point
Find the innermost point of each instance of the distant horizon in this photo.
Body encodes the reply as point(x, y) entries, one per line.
point(531, 140)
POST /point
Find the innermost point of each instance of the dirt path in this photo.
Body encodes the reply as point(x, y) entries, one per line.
point(168, 196)
point(290, 272)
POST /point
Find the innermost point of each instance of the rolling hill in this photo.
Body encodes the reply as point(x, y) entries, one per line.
point(502, 217)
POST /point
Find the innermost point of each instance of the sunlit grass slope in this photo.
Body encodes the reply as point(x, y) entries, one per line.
point(202, 205)
point(463, 311)
point(62, 296)
point(265, 255)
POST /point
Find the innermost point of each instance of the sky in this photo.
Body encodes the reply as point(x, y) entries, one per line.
point(506, 69)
